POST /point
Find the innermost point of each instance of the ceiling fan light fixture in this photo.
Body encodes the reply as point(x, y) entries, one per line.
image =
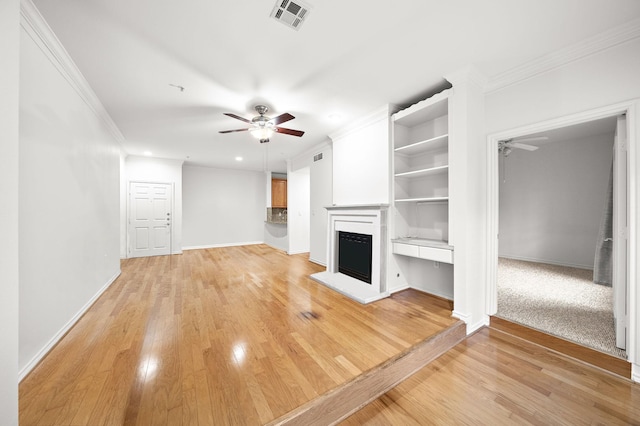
point(263, 127)
point(262, 132)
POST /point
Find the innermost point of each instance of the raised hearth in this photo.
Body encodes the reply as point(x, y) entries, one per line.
point(361, 220)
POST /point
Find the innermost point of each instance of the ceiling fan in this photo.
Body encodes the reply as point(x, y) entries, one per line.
point(506, 146)
point(263, 127)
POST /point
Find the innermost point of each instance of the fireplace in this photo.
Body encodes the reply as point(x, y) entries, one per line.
point(354, 255)
point(356, 252)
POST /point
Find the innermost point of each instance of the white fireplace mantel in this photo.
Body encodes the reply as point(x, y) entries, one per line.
point(368, 219)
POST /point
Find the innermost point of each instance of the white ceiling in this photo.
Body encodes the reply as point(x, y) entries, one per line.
point(349, 58)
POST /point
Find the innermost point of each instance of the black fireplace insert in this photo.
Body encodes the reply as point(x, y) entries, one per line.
point(355, 255)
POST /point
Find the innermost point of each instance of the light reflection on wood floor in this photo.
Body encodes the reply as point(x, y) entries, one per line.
point(235, 335)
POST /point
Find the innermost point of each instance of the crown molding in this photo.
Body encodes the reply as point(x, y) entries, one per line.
point(313, 150)
point(38, 29)
point(379, 114)
point(589, 46)
point(469, 75)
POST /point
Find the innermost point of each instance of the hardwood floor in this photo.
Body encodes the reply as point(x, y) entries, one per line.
point(494, 378)
point(607, 362)
point(235, 335)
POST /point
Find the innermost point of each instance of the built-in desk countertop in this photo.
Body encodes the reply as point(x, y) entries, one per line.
point(423, 248)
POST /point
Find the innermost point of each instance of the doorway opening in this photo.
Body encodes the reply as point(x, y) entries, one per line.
point(547, 204)
point(150, 218)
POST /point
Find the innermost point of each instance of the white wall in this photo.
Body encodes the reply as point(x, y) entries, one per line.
point(124, 193)
point(276, 235)
point(222, 207)
point(467, 199)
point(593, 82)
point(298, 210)
point(9, 80)
point(158, 170)
point(553, 199)
point(69, 200)
point(431, 277)
point(599, 80)
point(321, 196)
point(361, 165)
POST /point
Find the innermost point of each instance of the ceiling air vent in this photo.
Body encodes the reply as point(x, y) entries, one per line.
point(290, 13)
point(317, 157)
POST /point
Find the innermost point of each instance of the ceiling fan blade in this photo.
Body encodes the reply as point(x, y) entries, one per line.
point(237, 117)
point(532, 139)
point(289, 131)
point(523, 146)
point(231, 131)
point(282, 118)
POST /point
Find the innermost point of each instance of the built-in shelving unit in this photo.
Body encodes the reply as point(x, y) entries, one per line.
point(420, 255)
point(420, 136)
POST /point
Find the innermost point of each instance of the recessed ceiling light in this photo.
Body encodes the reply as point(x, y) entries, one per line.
point(148, 153)
point(335, 116)
point(238, 158)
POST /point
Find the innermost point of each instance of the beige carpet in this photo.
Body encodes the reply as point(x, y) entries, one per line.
point(558, 300)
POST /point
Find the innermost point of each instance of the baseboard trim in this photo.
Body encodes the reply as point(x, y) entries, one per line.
point(402, 288)
point(64, 330)
point(208, 246)
point(291, 253)
point(317, 262)
point(635, 373)
point(471, 328)
point(546, 261)
point(433, 293)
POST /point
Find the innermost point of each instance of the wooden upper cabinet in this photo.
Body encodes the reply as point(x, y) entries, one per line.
point(279, 193)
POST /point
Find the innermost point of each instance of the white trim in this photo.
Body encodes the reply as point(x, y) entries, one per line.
point(471, 328)
point(631, 108)
point(635, 372)
point(38, 29)
point(484, 322)
point(291, 253)
point(439, 294)
point(402, 288)
point(208, 246)
point(559, 58)
point(63, 331)
point(546, 261)
point(378, 115)
point(317, 262)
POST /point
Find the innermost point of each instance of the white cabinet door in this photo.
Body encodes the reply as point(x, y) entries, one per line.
point(150, 217)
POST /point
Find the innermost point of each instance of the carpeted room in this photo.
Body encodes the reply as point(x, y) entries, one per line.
point(552, 212)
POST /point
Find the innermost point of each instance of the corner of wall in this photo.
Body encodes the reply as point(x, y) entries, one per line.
point(635, 372)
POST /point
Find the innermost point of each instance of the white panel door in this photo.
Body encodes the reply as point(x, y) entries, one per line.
point(150, 217)
point(620, 234)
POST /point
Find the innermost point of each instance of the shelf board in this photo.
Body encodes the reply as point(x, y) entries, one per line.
point(423, 146)
point(423, 172)
point(423, 200)
point(424, 242)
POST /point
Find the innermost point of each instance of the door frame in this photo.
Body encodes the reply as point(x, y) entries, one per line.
point(631, 109)
point(128, 222)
